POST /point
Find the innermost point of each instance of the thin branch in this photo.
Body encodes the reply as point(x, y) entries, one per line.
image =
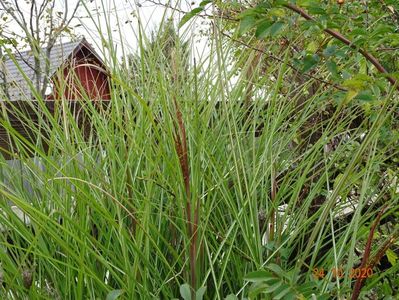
point(31, 17)
point(203, 14)
point(19, 11)
point(20, 55)
point(271, 56)
point(65, 22)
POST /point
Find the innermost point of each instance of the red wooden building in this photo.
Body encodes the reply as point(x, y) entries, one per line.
point(75, 68)
point(82, 73)
point(76, 73)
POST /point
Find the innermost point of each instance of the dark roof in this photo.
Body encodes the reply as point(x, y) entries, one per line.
point(18, 87)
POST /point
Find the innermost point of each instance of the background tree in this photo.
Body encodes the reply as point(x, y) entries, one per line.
point(347, 49)
point(38, 29)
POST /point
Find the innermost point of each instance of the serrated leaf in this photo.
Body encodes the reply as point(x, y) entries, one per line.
point(112, 295)
point(185, 291)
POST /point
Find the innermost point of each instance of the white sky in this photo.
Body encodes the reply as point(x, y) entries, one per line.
point(126, 13)
point(120, 17)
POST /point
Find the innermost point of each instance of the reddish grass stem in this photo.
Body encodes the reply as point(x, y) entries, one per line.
point(192, 227)
point(367, 250)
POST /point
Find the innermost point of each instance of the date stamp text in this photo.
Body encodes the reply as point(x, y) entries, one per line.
point(354, 273)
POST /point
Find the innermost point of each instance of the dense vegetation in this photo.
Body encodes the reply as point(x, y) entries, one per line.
point(265, 168)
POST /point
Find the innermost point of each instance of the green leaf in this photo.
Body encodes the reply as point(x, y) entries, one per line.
point(231, 297)
point(273, 287)
point(306, 3)
point(332, 67)
point(316, 10)
point(312, 46)
point(307, 288)
point(276, 28)
point(256, 289)
point(392, 257)
point(112, 295)
point(185, 291)
point(267, 28)
point(330, 51)
point(246, 24)
point(205, 2)
point(262, 29)
point(275, 268)
point(199, 294)
point(350, 95)
point(354, 84)
point(276, 12)
point(271, 245)
point(278, 271)
point(309, 62)
point(258, 276)
point(383, 29)
point(187, 17)
point(365, 96)
point(281, 292)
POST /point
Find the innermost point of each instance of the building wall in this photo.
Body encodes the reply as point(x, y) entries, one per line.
point(81, 78)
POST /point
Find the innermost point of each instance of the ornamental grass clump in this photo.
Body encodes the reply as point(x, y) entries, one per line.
point(203, 176)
